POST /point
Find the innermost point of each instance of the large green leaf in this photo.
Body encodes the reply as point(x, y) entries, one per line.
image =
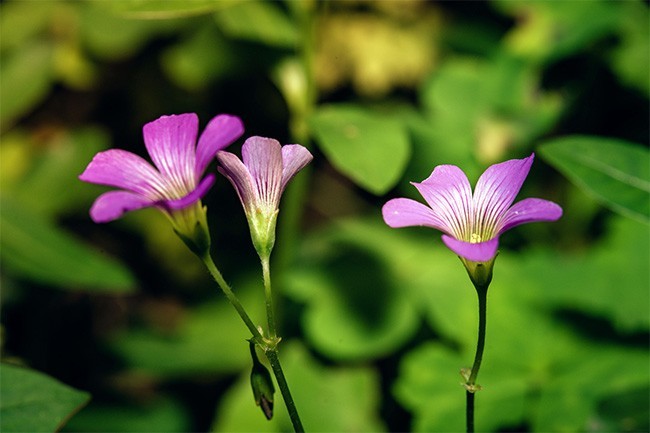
point(633, 49)
point(25, 79)
point(430, 385)
point(110, 35)
point(33, 248)
point(34, 402)
point(477, 112)
point(355, 307)
point(614, 171)
point(49, 184)
point(164, 9)
point(611, 281)
point(528, 350)
point(570, 399)
point(259, 21)
point(21, 22)
point(370, 148)
point(554, 30)
point(328, 399)
point(198, 60)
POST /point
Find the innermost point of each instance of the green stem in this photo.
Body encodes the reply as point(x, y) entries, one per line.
point(469, 413)
point(225, 288)
point(269, 297)
point(272, 356)
point(470, 385)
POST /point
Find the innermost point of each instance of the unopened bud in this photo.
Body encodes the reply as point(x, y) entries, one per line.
point(262, 385)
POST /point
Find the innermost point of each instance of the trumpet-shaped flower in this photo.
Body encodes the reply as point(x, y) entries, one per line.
point(174, 185)
point(472, 223)
point(260, 178)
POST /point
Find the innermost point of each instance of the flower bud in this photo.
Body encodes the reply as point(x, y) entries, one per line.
point(262, 385)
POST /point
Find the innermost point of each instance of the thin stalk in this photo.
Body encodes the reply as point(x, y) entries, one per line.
point(470, 385)
point(268, 293)
point(469, 413)
point(225, 288)
point(272, 356)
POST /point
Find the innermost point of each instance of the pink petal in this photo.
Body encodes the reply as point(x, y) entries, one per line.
point(449, 194)
point(192, 197)
point(220, 132)
point(478, 252)
point(294, 158)
point(528, 211)
point(263, 158)
point(113, 204)
point(170, 141)
point(496, 189)
point(238, 175)
point(404, 212)
point(126, 170)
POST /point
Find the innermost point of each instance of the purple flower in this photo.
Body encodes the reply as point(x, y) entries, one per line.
point(175, 183)
point(260, 181)
point(472, 223)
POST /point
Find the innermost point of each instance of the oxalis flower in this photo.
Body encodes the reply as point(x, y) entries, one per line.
point(260, 179)
point(174, 185)
point(472, 223)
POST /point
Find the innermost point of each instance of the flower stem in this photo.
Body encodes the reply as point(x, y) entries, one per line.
point(271, 350)
point(272, 356)
point(268, 293)
point(225, 288)
point(470, 385)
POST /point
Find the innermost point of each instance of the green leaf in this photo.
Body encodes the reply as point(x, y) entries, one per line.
point(430, 385)
point(570, 398)
point(111, 35)
point(33, 248)
point(328, 399)
point(200, 59)
point(611, 281)
point(164, 9)
point(370, 148)
point(51, 185)
point(554, 30)
point(25, 79)
point(258, 21)
point(615, 172)
point(21, 22)
point(632, 49)
point(478, 112)
point(626, 411)
point(529, 351)
point(34, 402)
point(355, 307)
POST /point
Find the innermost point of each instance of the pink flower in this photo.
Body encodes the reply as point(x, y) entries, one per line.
point(175, 182)
point(472, 223)
point(260, 179)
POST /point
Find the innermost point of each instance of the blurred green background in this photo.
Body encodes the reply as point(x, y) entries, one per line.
point(376, 322)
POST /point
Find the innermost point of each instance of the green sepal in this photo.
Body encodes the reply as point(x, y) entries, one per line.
point(479, 272)
point(262, 384)
point(191, 225)
point(262, 226)
point(199, 243)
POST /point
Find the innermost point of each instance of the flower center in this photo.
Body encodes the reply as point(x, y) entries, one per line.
point(475, 238)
